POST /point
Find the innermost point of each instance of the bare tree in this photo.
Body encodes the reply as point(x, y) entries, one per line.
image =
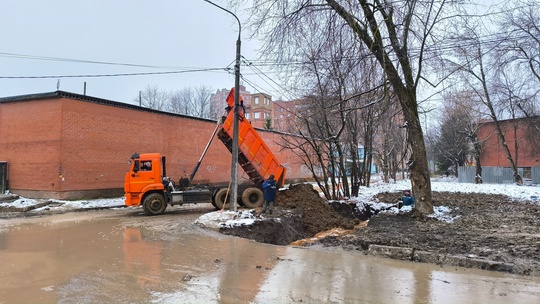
point(519, 36)
point(188, 101)
point(385, 30)
point(518, 54)
point(479, 74)
point(391, 149)
point(154, 97)
point(180, 101)
point(464, 103)
point(452, 147)
point(200, 103)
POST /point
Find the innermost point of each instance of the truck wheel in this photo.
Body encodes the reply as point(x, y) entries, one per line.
point(219, 199)
point(154, 204)
point(214, 198)
point(252, 197)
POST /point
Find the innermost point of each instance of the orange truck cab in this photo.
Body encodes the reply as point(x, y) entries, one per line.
point(142, 179)
point(146, 183)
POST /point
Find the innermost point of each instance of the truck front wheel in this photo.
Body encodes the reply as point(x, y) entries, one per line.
point(252, 197)
point(154, 204)
point(220, 197)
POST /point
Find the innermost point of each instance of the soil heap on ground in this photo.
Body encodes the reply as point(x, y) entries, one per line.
point(299, 212)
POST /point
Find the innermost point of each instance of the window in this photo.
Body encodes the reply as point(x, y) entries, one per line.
point(257, 115)
point(257, 100)
point(146, 165)
point(247, 115)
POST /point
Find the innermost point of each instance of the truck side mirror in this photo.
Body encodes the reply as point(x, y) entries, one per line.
point(136, 166)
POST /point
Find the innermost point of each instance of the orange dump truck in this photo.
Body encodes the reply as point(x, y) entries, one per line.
point(147, 184)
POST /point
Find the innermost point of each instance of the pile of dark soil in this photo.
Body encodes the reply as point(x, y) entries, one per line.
point(299, 212)
point(317, 214)
point(488, 231)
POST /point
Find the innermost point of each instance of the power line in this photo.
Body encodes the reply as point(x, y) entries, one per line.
point(113, 75)
point(61, 59)
point(490, 39)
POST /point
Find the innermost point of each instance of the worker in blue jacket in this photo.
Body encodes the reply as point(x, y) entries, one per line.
point(270, 190)
point(407, 199)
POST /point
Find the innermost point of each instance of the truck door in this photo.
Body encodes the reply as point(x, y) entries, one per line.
point(143, 173)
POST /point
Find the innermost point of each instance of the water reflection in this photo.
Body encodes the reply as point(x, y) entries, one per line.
point(121, 260)
point(142, 258)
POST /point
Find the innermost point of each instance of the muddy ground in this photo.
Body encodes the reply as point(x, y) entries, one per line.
point(490, 232)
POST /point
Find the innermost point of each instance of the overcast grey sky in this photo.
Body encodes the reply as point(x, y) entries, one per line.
point(170, 35)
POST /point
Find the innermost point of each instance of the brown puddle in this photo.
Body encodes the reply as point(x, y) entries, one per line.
point(122, 260)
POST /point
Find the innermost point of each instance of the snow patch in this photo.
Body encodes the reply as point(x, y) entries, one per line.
point(226, 219)
point(442, 213)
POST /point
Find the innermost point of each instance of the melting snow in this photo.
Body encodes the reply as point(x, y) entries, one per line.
point(219, 219)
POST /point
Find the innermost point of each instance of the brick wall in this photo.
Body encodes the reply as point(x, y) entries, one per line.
point(30, 141)
point(493, 153)
point(70, 148)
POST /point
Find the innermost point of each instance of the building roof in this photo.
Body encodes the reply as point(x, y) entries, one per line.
point(86, 98)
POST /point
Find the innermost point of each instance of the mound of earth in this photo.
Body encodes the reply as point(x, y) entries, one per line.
point(488, 231)
point(299, 212)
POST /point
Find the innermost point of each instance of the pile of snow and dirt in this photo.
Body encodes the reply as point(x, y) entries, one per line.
point(12, 205)
point(299, 212)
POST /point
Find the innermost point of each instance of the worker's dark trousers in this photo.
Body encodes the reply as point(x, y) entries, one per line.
point(268, 205)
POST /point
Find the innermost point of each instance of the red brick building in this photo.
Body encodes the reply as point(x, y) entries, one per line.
point(527, 136)
point(68, 146)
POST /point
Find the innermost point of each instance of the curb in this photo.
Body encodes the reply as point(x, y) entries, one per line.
point(411, 254)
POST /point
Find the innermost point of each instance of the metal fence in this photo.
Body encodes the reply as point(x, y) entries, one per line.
point(495, 175)
point(535, 175)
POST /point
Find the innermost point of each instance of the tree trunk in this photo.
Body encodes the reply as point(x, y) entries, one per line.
point(477, 151)
point(418, 165)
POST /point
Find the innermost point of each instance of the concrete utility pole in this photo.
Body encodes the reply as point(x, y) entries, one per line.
point(234, 164)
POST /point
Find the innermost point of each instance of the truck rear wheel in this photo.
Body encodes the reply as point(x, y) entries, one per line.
point(154, 204)
point(219, 198)
point(252, 197)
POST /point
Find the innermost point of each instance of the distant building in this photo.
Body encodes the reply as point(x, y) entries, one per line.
point(218, 101)
point(260, 110)
point(285, 115)
point(524, 131)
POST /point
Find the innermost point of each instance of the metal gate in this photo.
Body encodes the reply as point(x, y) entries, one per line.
point(3, 177)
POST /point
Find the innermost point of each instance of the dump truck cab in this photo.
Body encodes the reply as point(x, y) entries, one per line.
point(146, 184)
point(144, 177)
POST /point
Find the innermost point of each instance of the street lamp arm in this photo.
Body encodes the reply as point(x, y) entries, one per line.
point(228, 11)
